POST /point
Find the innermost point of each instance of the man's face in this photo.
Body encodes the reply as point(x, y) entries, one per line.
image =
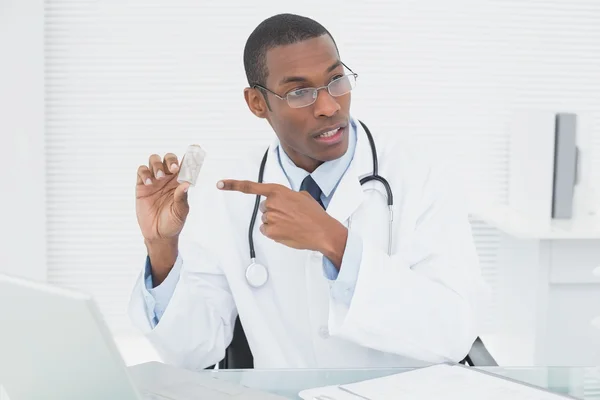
point(310, 63)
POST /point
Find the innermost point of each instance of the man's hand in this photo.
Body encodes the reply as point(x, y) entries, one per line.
point(295, 219)
point(161, 201)
point(161, 207)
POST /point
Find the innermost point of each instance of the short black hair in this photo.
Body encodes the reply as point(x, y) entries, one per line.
point(278, 30)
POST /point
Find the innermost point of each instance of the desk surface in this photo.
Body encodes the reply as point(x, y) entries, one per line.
point(579, 382)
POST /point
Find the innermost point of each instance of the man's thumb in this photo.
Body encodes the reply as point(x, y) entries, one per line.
point(181, 196)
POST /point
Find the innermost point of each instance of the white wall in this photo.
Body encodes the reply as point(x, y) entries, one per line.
point(128, 79)
point(122, 72)
point(23, 171)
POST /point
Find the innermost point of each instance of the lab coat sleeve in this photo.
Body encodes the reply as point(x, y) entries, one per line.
point(343, 282)
point(157, 298)
point(426, 300)
point(197, 324)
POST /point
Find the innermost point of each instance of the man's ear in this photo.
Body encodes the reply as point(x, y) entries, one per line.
point(256, 102)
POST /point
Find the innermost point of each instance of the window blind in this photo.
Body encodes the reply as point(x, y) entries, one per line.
point(125, 79)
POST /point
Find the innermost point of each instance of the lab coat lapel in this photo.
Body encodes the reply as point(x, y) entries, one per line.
point(349, 195)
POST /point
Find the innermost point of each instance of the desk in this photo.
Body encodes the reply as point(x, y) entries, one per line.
point(581, 383)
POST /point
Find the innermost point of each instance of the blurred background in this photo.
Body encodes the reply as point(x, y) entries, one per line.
point(89, 89)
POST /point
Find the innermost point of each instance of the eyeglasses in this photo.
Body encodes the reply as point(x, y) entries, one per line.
point(304, 97)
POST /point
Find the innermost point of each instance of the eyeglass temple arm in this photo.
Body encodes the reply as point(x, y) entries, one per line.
point(349, 69)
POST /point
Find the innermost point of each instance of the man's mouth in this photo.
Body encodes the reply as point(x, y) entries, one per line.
point(331, 136)
point(329, 133)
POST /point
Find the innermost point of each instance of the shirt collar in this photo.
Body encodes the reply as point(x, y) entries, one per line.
point(328, 174)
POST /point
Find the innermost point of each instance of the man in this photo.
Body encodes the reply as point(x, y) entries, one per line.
point(333, 296)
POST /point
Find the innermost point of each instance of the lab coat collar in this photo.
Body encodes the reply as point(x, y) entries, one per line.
point(348, 195)
point(273, 172)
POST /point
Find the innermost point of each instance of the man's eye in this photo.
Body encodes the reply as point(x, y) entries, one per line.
point(299, 92)
point(337, 77)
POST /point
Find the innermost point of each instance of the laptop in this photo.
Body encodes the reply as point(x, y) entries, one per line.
point(54, 344)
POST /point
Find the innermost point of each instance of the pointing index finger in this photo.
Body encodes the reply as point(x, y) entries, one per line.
point(248, 187)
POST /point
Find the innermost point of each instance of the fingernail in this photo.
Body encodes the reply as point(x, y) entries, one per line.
point(185, 189)
point(174, 167)
point(148, 181)
point(220, 185)
point(160, 174)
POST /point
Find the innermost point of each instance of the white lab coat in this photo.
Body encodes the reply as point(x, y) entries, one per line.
point(422, 305)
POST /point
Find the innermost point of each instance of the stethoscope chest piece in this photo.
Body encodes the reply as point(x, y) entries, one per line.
point(256, 274)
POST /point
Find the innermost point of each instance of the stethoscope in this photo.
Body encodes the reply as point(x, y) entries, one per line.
point(256, 274)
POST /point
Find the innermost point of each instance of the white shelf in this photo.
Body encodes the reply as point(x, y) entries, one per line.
point(520, 226)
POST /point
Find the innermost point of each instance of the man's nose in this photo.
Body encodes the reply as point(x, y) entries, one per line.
point(325, 105)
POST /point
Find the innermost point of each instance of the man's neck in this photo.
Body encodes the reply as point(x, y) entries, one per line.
point(306, 163)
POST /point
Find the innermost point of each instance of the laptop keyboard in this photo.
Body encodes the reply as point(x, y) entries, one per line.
point(215, 390)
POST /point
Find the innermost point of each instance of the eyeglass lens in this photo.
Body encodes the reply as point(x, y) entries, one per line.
point(306, 96)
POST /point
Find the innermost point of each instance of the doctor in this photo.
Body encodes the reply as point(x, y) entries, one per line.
point(329, 291)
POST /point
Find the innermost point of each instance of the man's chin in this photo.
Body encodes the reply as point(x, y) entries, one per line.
point(333, 153)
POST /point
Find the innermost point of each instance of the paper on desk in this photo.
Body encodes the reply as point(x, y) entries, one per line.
point(436, 382)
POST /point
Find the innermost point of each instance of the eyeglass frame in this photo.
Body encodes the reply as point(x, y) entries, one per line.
point(256, 85)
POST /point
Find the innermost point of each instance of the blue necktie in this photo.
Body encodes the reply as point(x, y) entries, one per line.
point(309, 185)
